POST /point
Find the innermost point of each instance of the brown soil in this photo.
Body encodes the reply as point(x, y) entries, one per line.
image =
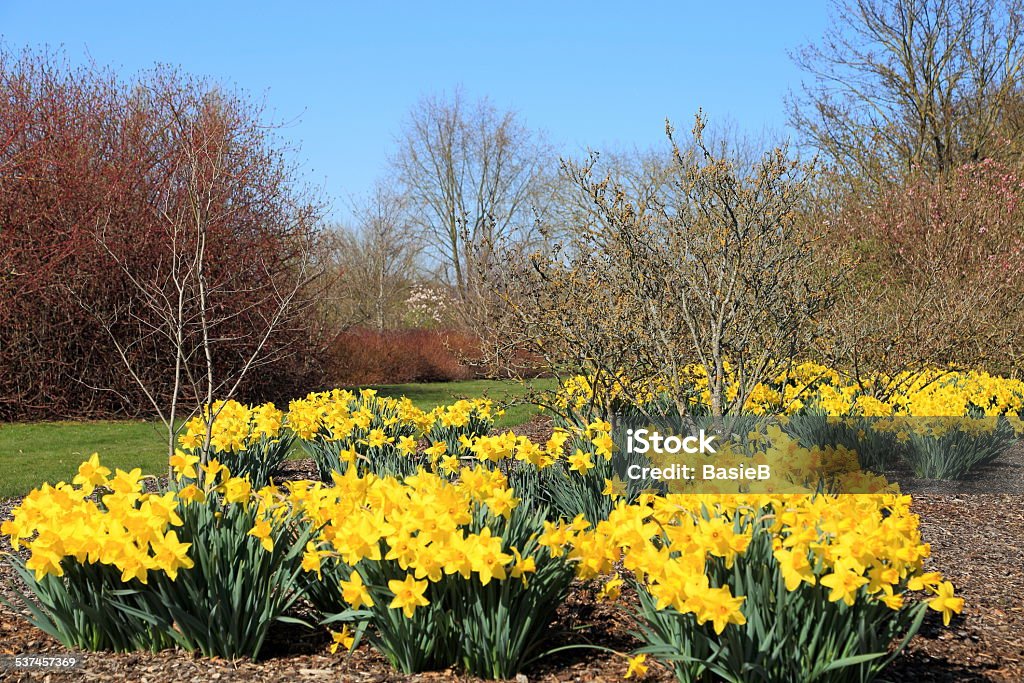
point(976, 542)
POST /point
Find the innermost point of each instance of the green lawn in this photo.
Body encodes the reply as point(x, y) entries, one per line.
point(51, 451)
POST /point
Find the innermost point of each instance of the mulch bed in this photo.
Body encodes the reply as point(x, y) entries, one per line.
point(977, 542)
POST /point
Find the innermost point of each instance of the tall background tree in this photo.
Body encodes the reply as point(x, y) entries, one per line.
point(378, 263)
point(473, 175)
point(899, 85)
point(914, 108)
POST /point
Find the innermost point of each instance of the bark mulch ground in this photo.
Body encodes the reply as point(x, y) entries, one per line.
point(977, 542)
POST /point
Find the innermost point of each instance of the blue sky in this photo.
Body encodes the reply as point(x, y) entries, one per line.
point(602, 75)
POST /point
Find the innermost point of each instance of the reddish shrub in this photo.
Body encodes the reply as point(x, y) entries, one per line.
point(91, 169)
point(361, 356)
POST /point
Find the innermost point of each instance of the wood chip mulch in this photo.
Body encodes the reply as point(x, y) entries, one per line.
point(977, 541)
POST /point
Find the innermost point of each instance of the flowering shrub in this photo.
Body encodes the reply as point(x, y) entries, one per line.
point(427, 306)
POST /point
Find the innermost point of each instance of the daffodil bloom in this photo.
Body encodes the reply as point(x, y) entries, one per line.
point(611, 590)
point(795, 568)
point(184, 464)
point(637, 667)
point(436, 450)
point(170, 555)
point(581, 462)
point(91, 474)
point(614, 487)
point(408, 595)
point(192, 494)
point(44, 561)
point(502, 501)
point(522, 566)
point(237, 490)
point(312, 559)
point(946, 602)
point(262, 531)
point(843, 583)
point(213, 469)
point(343, 639)
point(355, 593)
point(603, 445)
point(891, 600)
point(928, 580)
point(718, 606)
point(377, 438)
point(449, 464)
point(126, 482)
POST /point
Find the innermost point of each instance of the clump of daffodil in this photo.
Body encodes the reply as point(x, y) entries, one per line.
point(403, 553)
point(251, 441)
point(115, 567)
point(839, 560)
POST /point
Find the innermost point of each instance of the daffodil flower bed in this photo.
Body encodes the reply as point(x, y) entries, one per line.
point(340, 429)
point(933, 392)
point(446, 573)
point(582, 471)
point(442, 545)
point(767, 588)
point(939, 423)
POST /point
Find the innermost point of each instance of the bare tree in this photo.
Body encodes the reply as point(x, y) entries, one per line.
point(219, 314)
point(470, 172)
point(903, 84)
point(643, 175)
point(378, 263)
